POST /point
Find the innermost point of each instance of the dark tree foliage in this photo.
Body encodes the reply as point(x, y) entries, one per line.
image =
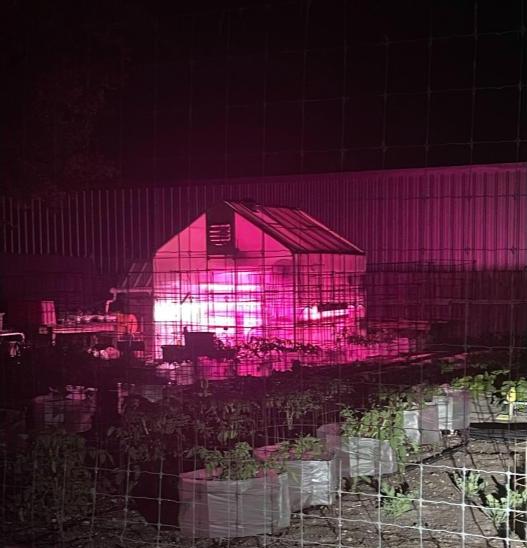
point(64, 61)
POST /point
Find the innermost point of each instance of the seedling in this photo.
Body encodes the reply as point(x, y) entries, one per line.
point(471, 483)
point(397, 500)
point(498, 508)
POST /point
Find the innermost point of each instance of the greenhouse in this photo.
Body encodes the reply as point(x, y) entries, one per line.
point(243, 272)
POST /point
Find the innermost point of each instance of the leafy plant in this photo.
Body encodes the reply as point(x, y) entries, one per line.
point(149, 432)
point(516, 388)
point(427, 392)
point(410, 398)
point(471, 483)
point(499, 508)
point(226, 420)
point(483, 384)
point(294, 405)
point(385, 424)
point(397, 500)
point(303, 448)
point(54, 480)
point(235, 464)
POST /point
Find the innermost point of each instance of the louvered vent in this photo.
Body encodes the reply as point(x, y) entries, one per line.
point(220, 235)
point(220, 230)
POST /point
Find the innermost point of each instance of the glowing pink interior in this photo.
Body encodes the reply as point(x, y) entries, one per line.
point(263, 291)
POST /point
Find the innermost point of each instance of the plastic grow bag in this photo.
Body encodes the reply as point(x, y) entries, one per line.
point(422, 425)
point(311, 482)
point(453, 409)
point(232, 508)
point(358, 456)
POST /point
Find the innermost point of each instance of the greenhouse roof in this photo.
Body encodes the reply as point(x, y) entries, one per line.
point(295, 229)
point(138, 278)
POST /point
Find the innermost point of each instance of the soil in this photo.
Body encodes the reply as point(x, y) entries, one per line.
point(438, 518)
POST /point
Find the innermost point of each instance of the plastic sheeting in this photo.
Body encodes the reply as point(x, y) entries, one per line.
point(311, 482)
point(453, 409)
point(422, 425)
point(229, 509)
point(358, 456)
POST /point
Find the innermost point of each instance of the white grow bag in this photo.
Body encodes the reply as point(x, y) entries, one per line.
point(358, 456)
point(453, 409)
point(311, 482)
point(422, 425)
point(232, 508)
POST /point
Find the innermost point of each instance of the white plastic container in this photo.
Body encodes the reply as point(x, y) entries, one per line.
point(312, 482)
point(422, 425)
point(453, 409)
point(358, 456)
point(226, 509)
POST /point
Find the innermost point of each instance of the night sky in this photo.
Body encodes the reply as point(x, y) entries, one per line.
point(148, 93)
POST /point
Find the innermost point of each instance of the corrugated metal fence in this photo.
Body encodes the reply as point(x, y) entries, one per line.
point(471, 216)
point(443, 245)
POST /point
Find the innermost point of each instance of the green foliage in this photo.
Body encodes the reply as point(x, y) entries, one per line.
point(428, 392)
point(397, 500)
point(224, 420)
point(149, 432)
point(54, 479)
point(235, 464)
point(410, 398)
point(382, 423)
point(499, 508)
point(519, 387)
point(294, 405)
point(482, 384)
point(303, 448)
point(471, 484)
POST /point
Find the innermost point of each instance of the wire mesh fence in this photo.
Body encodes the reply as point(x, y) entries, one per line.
point(337, 403)
point(371, 454)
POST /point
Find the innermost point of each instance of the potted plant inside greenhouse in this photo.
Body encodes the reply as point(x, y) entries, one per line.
point(369, 444)
point(234, 495)
point(312, 470)
point(483, 388)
